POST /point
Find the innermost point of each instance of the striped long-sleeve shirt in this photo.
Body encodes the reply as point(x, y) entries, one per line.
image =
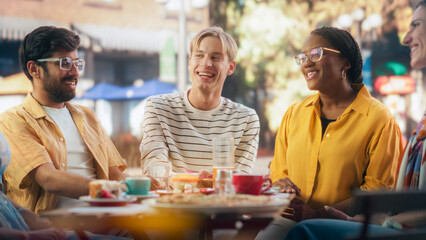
point(175, 131)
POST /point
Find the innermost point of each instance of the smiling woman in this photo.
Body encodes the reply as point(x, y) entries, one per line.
point(334, 141)
point(411, 172)
point(415, 38)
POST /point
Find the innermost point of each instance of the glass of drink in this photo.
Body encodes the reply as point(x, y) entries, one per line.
point(223, 183)
point(161, 171)
point(223, 154)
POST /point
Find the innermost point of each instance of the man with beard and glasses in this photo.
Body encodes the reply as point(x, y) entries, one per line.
point(57, 147)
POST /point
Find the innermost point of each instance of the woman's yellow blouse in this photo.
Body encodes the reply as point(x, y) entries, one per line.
point(359, 150)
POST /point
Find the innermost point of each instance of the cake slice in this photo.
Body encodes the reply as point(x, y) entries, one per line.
point(105, 189)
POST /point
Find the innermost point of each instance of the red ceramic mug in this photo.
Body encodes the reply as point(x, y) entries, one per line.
point(250, 184)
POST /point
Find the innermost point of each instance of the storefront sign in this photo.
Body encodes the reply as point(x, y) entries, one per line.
point(395, 84)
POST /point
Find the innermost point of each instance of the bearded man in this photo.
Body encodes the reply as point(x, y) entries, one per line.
point(57, 147)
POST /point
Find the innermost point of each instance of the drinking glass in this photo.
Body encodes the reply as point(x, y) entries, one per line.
point(223, 183)
point(161, 171)
point(223, 154)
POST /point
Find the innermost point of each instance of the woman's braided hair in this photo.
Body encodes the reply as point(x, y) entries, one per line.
point(343, 41)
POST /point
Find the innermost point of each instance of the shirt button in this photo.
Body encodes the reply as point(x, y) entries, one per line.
point(63, 164)
point(327, 135)
point(61, 139)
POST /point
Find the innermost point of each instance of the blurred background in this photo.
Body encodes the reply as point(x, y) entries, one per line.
point(137, 48)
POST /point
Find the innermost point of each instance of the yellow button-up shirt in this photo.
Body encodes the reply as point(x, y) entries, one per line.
point(35, 139)
point(359, 150)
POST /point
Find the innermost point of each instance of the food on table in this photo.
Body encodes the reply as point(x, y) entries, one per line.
point(205, 179)
point(214, 199)
point(184, 182)
point(106, 194)
point(105, 189)
point(205, 183)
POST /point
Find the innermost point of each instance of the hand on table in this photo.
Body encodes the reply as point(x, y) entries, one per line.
point(287, 186)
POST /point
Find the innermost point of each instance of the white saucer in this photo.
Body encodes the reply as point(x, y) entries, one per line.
point(108, 202)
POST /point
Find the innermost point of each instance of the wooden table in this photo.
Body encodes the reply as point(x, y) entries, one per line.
point(140, 218)
point(136, 218)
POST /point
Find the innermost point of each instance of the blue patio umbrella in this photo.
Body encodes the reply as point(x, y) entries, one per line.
point(101, 91)
point(149, 88)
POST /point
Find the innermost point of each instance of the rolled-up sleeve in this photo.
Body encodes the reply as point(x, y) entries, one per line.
point(384, 153)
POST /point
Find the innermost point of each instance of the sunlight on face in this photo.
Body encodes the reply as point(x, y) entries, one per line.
point(209, 65)
point(415, 39)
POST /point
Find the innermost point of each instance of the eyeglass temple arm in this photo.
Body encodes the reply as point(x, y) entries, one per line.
point(332, 50)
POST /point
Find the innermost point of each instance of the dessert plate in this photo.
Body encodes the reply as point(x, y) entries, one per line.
point(206, 191)
point(108, 202)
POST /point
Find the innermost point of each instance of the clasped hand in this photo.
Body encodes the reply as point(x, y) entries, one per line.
point(298, 209)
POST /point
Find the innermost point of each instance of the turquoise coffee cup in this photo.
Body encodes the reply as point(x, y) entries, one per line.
point(137, 185)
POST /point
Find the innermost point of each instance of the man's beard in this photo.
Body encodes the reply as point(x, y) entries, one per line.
point(53, 88)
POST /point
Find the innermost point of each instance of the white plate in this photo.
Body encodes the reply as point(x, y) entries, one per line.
point(276, 204)
point(108, 202)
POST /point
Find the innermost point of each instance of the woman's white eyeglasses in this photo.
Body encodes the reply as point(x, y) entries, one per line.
point(314, 55)
point(66, 63)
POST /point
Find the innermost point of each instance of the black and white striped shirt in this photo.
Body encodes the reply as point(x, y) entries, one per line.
point(175, 131)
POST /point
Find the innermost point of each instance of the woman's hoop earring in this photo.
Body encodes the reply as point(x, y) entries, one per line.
point(344, 75)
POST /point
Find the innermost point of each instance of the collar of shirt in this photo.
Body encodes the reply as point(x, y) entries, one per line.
point(34, 108)
point(361, 103)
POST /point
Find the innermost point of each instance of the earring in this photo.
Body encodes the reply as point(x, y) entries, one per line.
point(344, 75)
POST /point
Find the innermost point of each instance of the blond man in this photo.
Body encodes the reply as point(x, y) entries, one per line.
point(179, 128)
